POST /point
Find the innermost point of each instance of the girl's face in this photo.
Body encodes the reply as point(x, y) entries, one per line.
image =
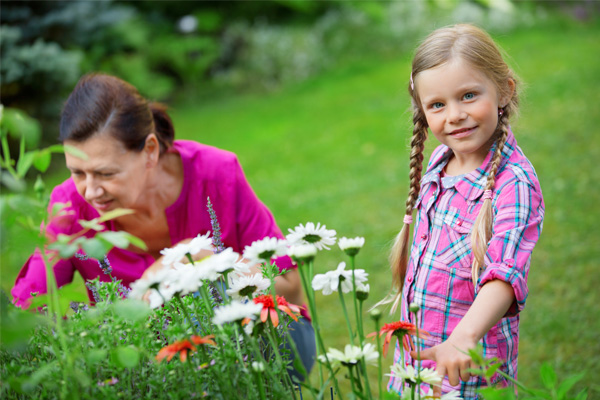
point(461, 105)
point(112, 176)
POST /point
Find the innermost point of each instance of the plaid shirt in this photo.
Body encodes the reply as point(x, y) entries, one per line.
point(438, 276)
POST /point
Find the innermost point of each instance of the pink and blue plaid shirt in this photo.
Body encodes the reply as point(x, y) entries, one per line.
point(438, 276)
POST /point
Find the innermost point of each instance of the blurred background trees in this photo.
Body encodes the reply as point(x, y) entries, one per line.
point(169, 48)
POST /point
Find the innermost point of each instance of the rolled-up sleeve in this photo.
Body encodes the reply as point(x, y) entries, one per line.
point(518, 220)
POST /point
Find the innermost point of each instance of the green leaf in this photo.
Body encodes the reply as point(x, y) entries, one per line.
point(127, 357)
point(117, 239)
point(548, 376)
point(137, 242)
point(65, 250)
point(75, 152)
point(38, 375)
point(56, 148)
point(95, 248)
point(119, 212)
point(567, 384)
point(132, 310)
point(94, 356)
point(91, 224)
point(24, 163)
point(41, 160)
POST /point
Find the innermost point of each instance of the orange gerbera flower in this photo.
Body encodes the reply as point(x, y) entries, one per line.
point(183, 347)
point(269, 310)
point(402, 330)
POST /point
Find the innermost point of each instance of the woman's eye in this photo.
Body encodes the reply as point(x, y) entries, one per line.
point(469, 96)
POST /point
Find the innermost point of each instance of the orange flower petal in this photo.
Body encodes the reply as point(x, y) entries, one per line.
point(274, 317)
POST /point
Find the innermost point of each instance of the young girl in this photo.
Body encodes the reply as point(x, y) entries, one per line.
point(479, 211)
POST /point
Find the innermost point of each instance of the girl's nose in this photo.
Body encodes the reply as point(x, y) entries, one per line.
point(456, 113)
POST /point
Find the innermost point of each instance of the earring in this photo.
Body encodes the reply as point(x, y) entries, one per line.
point(500, 111)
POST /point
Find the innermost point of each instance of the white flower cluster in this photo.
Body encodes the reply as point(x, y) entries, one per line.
point(351, 355)
point(330, 281)
point(182, 279)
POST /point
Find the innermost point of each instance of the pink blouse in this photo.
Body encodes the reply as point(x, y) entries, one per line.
point(208, 172)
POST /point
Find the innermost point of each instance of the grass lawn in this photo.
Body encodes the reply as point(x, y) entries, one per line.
point(334, 150)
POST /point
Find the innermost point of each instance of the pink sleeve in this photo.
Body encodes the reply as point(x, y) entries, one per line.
point(254, 220)
point(32, 278)
point(519, 213)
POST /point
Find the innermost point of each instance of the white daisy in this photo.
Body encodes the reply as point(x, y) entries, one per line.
point(370, 353)
point(311, 234)
point(178, 253)
point(330, 281)
point(225, 261)
point(246, 285)
point(183, 279)
point(236, 311)
point(408, 374)
point(261, 251)
point(351, 355)
point(453, 395)
point(351, 246)
point(211, 268)
point(155, 281)
point(302, 252)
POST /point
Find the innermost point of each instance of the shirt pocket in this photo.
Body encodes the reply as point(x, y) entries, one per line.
point(455, 244)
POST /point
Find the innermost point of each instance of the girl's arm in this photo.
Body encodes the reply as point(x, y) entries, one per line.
point(493, 301)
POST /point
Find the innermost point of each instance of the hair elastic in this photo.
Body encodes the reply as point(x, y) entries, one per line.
point(412, 83)
point(500, 112)
point(408, 219)
point(487, 195)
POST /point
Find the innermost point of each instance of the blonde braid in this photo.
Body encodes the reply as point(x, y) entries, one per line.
point(399, 253)
point(482, 229)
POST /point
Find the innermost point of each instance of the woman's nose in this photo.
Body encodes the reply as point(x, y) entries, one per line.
point(92, 189)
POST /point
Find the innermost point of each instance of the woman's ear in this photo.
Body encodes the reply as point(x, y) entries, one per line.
point(504, 100)
point(151, 150)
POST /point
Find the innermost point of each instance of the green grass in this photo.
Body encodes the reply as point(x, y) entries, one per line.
point(335, 150)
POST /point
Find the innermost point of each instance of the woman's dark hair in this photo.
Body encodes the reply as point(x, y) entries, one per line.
point(103, 103)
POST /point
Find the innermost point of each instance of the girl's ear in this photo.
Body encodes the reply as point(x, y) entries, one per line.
point(151, 150)
point(504, 100)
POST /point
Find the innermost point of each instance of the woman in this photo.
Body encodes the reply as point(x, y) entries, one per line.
point(134, 162)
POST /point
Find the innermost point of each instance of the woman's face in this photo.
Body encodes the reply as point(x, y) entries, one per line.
point(112, 176)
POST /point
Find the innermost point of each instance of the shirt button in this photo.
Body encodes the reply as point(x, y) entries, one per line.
point(424, 236)
point(459, 223)
point(410, 279)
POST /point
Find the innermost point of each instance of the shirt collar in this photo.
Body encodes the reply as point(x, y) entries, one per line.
point(472, 185)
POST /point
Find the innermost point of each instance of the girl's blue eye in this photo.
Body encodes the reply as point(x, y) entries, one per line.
point(437, 105)
point(469, 96)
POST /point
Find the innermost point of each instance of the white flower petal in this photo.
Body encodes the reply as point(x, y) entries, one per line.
point(318, 235)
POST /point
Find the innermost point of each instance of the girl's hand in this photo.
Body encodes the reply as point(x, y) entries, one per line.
point(451, 359)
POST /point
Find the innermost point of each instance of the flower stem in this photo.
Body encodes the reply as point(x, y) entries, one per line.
point(379, 362)
point(186, 313)
point(345, 313)
point(313, 312)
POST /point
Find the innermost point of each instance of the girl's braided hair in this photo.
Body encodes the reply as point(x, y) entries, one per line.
point(478, 49)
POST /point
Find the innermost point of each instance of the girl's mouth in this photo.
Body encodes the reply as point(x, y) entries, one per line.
point(461, 133)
